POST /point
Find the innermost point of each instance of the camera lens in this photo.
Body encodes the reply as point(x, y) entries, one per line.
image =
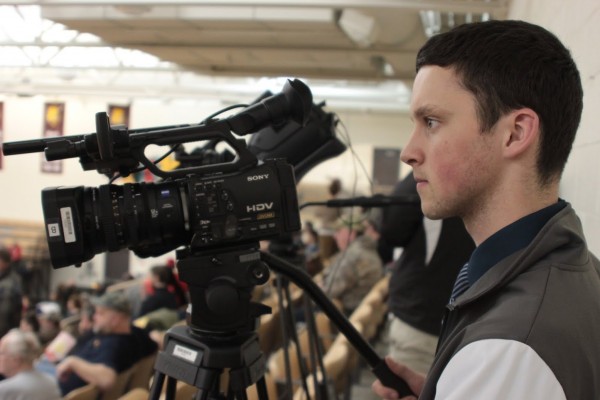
point(82, 221)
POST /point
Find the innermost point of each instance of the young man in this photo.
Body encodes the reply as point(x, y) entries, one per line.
point(496, 106)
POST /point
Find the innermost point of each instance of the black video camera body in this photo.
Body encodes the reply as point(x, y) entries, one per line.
point(232, 202)
point(154, 218)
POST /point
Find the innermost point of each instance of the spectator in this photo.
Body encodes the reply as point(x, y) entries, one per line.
point(422, 278)
point(113, 348)
point(18, 350)
point(174, 285)
point(62, 293)
point(327, 218)
point(29, 322)
point(357, 267)
point(10, 294)
point(49, 315)
point(310, 244)
point(74, 304)
point(75, 331)
point(160, 296)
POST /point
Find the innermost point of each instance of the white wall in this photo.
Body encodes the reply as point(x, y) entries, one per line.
point(21, 180)
point(577, 24)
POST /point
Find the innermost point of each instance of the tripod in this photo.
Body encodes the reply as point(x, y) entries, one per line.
point(220, 335)
point(221, 326)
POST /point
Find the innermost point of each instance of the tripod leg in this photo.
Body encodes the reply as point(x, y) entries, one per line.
point(213, 388)
point(240, 395)
point(288, 316)
point(157, 384)
point(261, 389)
point(316, 351)
point(171, 386)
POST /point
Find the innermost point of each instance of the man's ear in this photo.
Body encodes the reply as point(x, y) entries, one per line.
point(522, 130)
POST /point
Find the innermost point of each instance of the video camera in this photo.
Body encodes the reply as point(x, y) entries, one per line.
point(154, 218)
point(200, 205)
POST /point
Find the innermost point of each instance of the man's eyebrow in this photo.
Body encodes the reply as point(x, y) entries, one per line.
point(426, 110)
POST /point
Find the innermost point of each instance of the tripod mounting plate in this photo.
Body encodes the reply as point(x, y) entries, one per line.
point(199, 361)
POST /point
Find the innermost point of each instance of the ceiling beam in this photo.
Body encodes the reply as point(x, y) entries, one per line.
point(496, 8)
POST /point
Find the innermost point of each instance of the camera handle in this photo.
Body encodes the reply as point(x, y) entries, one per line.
point(305, 282)
point(116, 149)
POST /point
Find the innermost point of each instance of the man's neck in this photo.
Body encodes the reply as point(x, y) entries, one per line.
point(22, 368)
point(122, 328)
point(504, 209)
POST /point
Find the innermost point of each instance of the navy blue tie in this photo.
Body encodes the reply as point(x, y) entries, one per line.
point(462, 282)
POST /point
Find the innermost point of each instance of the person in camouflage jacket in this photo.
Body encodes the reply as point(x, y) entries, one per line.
point(357, 267)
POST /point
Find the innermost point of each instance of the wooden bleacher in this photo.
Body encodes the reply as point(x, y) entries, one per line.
point(30, 236)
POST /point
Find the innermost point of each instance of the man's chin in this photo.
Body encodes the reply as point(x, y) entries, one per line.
point(431, 213)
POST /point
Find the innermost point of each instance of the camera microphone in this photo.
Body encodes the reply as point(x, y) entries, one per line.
point(375, 201)
point(294, 102)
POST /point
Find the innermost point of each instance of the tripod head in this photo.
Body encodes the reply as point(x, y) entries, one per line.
point(221, 322)
point(221, 284)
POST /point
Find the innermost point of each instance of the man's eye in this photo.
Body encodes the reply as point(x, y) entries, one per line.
point(431, 123)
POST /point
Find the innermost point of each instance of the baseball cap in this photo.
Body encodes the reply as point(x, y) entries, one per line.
point(353, 220)
point(375, 218)
point(113, 300)
point(49, 310)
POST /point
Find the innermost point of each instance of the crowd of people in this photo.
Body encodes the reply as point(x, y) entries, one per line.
point(79, 337)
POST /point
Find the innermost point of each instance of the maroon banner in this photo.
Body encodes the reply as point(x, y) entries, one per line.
point(54, 121)
point(118, 115)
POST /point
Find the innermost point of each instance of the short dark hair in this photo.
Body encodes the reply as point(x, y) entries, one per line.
point(163, 273)
point(513, 64)
point(335, 187)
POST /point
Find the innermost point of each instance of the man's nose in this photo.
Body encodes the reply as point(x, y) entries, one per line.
point(410, 154)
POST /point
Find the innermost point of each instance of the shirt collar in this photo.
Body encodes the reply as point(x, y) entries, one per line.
point(508, 240)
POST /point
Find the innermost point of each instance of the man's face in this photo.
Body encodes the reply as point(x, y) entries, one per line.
point(8, 362)
point(343, 237)
point(453, 162)
point(104, 319)
point(86, 324)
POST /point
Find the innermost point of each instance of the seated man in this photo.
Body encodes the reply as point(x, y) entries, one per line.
point(113, 348)
point(161, 277)
point(357, 266)
point(18, 350)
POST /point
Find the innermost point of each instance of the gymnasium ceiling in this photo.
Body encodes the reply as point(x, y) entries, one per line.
point(368, 45)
